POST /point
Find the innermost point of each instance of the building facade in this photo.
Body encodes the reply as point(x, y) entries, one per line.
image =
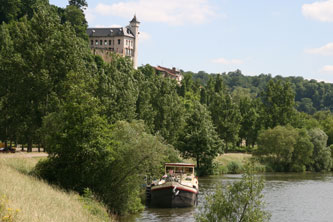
point(170, 73)
point(123, 40)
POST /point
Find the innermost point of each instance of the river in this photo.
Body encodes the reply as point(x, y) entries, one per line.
point(290, 197)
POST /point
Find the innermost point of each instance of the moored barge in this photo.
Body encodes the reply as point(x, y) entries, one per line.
point(177, 188)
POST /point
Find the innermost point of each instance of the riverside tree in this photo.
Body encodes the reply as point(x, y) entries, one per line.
point(276, 147)
point(85, 151)
point(322, 160)
point(290, 149)
point(136, 154)
point(241, 201)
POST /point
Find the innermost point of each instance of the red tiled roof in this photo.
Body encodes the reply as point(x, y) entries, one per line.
point(167, 70)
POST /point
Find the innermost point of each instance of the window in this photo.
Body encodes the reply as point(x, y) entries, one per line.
point(109, 42)
point(101, 42)
point(96, 42)
point(118, 41)
point(105, 42)
point(92, 42)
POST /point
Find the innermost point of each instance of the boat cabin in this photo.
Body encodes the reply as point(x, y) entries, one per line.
point(179, 169)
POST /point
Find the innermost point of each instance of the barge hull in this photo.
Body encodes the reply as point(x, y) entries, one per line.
point(169, 197)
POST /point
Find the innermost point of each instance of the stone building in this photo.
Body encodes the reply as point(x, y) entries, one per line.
point(123, 40)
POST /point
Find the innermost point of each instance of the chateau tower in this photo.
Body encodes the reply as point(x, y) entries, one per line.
point(134, 27)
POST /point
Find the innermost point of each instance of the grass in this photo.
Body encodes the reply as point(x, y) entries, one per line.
point(234, 163)
point(34, 200)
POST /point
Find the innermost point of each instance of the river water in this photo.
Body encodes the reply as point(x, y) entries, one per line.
point(304, 197)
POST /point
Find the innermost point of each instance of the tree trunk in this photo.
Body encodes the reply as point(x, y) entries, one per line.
point(30, 146)
point(22, 148)
point(39, 147)
point(226, 146)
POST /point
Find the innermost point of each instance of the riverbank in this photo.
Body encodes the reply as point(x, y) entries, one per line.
point(233, 163)
point(26, 198)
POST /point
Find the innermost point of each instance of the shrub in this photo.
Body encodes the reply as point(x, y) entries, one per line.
point(297, 168)
point(240, 201)
point(234, 167)
point(220, 169)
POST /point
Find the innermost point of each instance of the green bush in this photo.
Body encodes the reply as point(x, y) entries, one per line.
point(240, 201)
point(234, 167)
point(220, 169)
point(297, 168)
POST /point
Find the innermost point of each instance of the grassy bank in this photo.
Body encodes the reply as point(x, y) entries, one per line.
point(234, 163)
point(25, 198)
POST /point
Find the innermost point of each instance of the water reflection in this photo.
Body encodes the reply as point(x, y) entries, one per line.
point(289, 197)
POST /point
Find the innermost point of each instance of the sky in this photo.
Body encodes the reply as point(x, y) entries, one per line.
point(278, 37)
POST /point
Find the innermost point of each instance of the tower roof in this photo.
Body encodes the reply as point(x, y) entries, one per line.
point(134, 20)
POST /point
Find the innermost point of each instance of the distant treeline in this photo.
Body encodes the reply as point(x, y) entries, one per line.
point(310, 95)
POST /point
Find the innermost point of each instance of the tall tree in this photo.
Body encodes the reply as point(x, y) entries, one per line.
point(249, 125)
point(118, 89)
point(40, 53)
point(226, 118)
point(199, 139)
point(76, 18)
point(160, 106)
point(278, 103)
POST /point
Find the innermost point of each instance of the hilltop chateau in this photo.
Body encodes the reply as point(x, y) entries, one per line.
point(123, 40)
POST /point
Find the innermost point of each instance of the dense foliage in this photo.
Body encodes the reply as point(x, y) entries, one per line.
point(310, 95)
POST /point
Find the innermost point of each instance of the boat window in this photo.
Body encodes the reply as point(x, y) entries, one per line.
point(179, 170)
point(189, 170)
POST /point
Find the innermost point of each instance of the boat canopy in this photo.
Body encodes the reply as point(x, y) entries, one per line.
point(179, 168)
point(179, 164)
